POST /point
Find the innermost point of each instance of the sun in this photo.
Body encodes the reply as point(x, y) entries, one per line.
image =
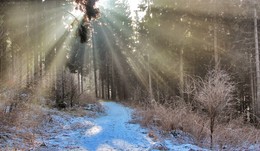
point(134, 4)
point(135, 10)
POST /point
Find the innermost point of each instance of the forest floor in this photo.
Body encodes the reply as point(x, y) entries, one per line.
point(111, 131)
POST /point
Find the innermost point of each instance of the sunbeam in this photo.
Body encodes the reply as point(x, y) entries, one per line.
point(185, 65)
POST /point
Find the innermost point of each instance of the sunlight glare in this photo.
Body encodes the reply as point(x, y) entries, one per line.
point(93, 131)
point(134, 4)
point(102, 3)
point(105, 147)
point(77, 13)
point(135, 10)
point(124, 144)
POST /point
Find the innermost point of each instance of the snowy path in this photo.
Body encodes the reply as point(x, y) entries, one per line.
point(111, 132)
point(116, 132)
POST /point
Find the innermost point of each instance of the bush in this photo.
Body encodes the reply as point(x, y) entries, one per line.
point(215, 94)
point(64, 90)
point(22, 122)
point(168, 119)
point(208, 110)
point(236, 134)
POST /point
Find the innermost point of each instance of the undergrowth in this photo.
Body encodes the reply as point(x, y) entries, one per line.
point(20, 126)
point(233, 134)
point(209, 115)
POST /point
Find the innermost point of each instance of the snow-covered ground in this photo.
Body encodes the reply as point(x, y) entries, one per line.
point(109, 132)
point(112, 131)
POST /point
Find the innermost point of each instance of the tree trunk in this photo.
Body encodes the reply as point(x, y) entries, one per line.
point(113, 91)
point(102, 86)
point(12, 76)
point(151, 97)
point(181, 74)
point(28, 45)
point(35, 42)
point(158, 92)
point(63, 80)
point(212, 122)
point(216, 59)
point(252, 85)
point(257, 107)
point(71, 91)
point(108, 79)
point(78, 81)
point(94, 61)
point(81, 82)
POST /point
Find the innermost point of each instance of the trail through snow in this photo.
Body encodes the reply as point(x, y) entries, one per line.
point(111, 132)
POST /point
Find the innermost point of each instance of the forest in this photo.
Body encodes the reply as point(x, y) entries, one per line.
point(184, 70)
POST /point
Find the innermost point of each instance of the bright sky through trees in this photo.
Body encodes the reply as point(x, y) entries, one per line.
point(133, 6)
point(145, 51)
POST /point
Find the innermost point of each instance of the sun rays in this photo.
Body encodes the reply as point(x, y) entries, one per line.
point(44, 32)
point(136, 38)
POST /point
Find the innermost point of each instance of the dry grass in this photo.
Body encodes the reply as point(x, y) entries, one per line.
point(77, 111)
point(82, 102)
point(85, 98)
point(22, 115)
point(236, 134)
point(168, 119)
point(227, 136)
point(215, 94)
point(21, 124)
point(211, 118)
